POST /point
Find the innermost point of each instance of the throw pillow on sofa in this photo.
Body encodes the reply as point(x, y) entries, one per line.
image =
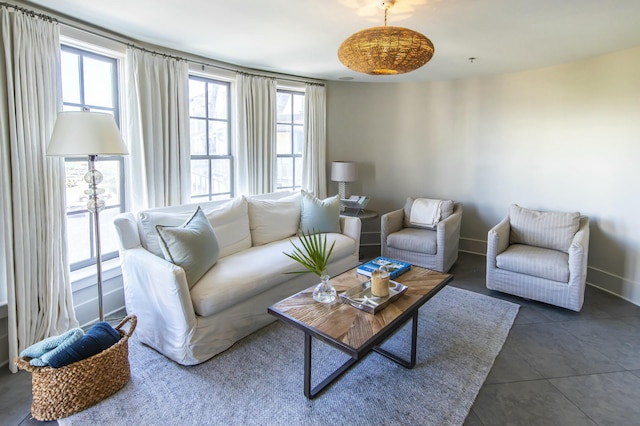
point(193, 246)
point(318, 215)
point(273, 220)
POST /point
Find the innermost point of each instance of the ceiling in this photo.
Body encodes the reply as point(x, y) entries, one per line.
point(301, 37)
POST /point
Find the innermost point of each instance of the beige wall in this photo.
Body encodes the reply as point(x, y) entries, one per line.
point(560, 138)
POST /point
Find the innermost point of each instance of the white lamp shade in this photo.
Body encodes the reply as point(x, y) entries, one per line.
point(79, 133)
point(344, 171)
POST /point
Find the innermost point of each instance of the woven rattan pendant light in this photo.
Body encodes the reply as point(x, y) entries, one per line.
point(385, 50)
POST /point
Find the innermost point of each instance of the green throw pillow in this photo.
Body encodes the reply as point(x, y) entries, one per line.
point(193, 246)
point(319, 215)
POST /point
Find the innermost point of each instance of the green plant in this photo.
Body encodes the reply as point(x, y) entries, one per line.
point(313, 255)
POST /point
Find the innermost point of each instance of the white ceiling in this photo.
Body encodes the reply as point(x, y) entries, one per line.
point(301, 37)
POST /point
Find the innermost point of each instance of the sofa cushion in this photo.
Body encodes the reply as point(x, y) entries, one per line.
point(319, 215)
point(193, 246)
point(536, 261)
point(414, 239)
point(446, 210)
point(273, 220)
point(250, 272)
point(552, 230)
point(230, 221)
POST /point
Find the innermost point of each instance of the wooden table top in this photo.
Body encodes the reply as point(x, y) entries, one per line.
point(350, 329)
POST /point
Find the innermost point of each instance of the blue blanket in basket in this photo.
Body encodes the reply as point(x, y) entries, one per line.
point(99, 337)
point(41, 352)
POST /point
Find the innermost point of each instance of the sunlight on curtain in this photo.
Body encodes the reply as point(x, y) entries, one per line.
point(315, 142)
point(158, 130)
point(256, 134)
point(33, 229)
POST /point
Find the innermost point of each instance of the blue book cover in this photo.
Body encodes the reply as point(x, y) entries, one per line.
point(395, 267)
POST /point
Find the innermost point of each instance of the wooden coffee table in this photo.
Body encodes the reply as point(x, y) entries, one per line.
point(353, 331)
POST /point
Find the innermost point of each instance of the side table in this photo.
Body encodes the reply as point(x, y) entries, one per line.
point(370, 234)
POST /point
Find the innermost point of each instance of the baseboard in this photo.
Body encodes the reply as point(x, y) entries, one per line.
point(473, 246)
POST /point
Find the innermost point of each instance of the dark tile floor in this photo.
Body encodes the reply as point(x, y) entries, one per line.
point(557, 367)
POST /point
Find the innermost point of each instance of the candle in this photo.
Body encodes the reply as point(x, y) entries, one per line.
point(380, 283)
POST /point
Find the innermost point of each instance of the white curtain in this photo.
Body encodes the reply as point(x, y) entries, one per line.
point(256, 134)
point(315, 141)
point(158, 129)
point(34, 263)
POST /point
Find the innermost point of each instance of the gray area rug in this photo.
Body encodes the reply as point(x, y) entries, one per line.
point(259, 380)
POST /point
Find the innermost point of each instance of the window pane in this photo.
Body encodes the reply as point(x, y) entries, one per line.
point(197, 98)
point(218, 105)
point(78, 237)
point(199, 177)
point(108, 236)
point(298, 109)
point(70, 77)
point(298, 139)
point(98, 82)
point(284, 107)
point(298, 176)
point(285, 172)
point(111, 181)
point(218, 138)
point(198, 136)
point(76, 198)
point(221, 176)
point(283, 141)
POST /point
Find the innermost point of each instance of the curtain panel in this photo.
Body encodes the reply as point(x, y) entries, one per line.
point(315, 142)
point(34, 264)
point(158, 129)
point(256, 134)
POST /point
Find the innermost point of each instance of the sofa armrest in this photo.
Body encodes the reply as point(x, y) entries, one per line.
point(497, 241)
point(156, 292)
point(127, 229)
point(351, 227)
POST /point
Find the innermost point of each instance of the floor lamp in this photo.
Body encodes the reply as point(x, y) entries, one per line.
point(85, 133)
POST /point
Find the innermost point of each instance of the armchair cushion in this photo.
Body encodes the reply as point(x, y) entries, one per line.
point(192, 246)
point(446, 209)
point(552, 230)
point(535, 261)
point(416, 240)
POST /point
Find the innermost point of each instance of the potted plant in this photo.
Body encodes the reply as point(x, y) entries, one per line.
point(314, 256)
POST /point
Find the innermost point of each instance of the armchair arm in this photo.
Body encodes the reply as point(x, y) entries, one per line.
point(497, 241)
point(448, 236)
point(389, 223)
point(579, 253)
point(156, 292)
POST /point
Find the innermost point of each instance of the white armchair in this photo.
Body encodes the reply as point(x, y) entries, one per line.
point(435, 248)
point(540, 256)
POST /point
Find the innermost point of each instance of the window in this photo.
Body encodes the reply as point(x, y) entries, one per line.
point(90, 80)
point(211, 155)
point(290, 139)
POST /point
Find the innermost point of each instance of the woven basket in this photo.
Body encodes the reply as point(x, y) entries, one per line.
point(60, 392)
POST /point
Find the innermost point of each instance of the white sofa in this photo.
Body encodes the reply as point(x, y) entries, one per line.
point(230, 300)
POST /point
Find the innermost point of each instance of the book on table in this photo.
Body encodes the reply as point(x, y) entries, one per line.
point(395, 267)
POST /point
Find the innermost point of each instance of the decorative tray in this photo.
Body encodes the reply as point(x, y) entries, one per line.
point(360, 296)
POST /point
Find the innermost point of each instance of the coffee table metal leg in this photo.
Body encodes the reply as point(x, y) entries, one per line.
point(414, 343)
point(310, 392)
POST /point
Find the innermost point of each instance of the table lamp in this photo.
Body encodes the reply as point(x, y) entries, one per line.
point(80, 133)
point(344, 172)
